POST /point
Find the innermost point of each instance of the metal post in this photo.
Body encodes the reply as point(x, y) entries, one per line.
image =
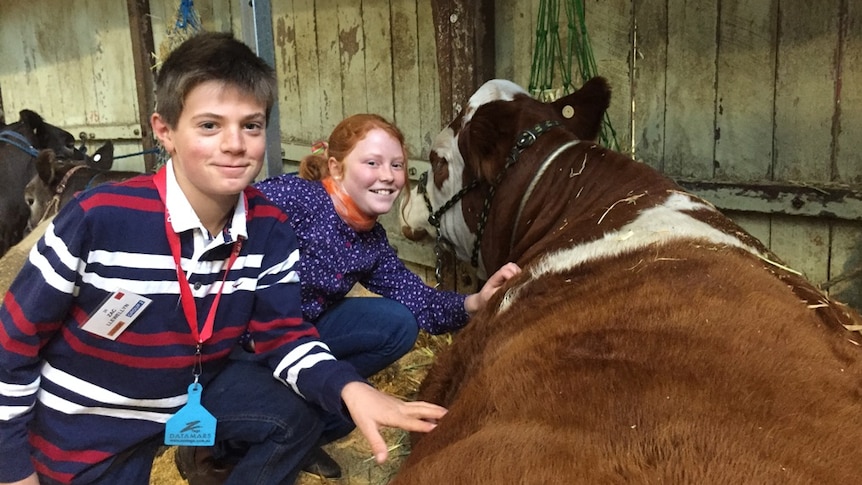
point(257, 33)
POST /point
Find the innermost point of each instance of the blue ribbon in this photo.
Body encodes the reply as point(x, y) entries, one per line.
point(187, 16)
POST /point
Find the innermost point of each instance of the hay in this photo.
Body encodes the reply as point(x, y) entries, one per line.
point(185, 25)
point(352, 452)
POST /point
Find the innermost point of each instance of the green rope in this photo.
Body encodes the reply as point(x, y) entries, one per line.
point(548, 55)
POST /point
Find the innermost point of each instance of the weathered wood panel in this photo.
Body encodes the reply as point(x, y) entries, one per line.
point(610, 33)
point(805, 90)
point(691, 73)
point(847, 128)
point(58, 61)
point(745, 97)
point(649, 77)
point(845, 265)
point(711, 92)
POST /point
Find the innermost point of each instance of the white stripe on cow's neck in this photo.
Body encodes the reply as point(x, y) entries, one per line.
point(548, 161)
point(660, 224)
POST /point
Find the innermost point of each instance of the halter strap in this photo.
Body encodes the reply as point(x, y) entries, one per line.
point(527, 193)
point(525, 140)
point(18, 141)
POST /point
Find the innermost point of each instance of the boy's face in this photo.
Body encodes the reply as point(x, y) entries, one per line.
point(219, 143)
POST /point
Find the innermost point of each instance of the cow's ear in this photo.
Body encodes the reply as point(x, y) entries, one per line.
point(33, 120)
point(103, 159)
point(46, 165)
point(582, 111)
point(487, 138)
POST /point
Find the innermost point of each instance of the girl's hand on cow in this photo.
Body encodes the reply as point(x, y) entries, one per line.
point(372, 409)
point(477, 301)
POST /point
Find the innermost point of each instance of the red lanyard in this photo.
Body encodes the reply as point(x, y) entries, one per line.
point(186, 296)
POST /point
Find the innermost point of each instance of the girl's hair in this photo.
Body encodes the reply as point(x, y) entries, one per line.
point(343, 139)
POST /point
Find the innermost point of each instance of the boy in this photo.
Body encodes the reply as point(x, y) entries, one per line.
point(115, 335)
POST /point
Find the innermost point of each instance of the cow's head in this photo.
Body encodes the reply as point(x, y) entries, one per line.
point(52, 176)
point(469, 153)
point(43, 135)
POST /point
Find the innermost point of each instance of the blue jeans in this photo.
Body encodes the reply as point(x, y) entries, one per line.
point(370, 333)
point(276, 427)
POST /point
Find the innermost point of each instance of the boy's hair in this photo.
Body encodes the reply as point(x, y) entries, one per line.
point(212, 56)
point(343, 139)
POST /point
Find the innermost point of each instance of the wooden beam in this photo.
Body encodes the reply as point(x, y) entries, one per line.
point(464, 32)
point(465, 50)
point(143, 49)
point(823, 202)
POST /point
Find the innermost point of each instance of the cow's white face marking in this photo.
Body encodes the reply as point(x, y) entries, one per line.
point(493, 90)
point(453, 227)
point(414, 211)
point(452, 224)
point(659, 224)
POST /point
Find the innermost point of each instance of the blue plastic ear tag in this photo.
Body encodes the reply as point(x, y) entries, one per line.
point(193, 425)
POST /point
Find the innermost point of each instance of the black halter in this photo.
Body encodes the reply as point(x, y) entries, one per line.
point(525, 139)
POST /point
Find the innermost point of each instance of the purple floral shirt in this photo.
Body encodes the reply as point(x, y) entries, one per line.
point(334, 257)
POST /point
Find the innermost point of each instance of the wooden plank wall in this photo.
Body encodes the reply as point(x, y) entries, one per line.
point(733, 90)
point(708, 90)
point(49, 46)
point(73, 64)
point(341, 57)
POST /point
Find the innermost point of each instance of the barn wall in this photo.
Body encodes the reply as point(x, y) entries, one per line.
point(713, 93)
point(718, 94)
point(62, 63)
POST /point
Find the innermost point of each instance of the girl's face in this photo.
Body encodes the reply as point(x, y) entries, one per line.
point(373, 172)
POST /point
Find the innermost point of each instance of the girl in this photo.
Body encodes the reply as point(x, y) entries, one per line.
point(333, 207)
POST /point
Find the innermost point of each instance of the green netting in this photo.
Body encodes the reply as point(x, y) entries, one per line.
point(548, 57)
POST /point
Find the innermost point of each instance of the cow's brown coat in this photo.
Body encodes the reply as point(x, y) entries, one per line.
point(682, 361)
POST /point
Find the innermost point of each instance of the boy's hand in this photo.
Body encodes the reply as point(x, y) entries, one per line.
point(372, 409)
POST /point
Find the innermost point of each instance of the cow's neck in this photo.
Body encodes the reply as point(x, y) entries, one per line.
point(512, 210)
point(563, 205)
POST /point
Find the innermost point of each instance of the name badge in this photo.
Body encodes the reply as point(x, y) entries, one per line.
point(193, 425)
point(116, 314)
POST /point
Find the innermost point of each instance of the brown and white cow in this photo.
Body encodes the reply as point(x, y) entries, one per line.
point(649, 339)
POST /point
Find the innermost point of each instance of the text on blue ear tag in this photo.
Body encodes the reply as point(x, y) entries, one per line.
point(193, 425)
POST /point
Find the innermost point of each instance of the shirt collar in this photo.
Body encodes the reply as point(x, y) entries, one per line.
point(184, 218)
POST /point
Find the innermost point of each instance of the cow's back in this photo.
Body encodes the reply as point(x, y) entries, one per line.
point(681, 363)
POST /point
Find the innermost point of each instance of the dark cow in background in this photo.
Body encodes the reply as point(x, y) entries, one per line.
point(19, 144)
point(58, 180)
point(649, 339)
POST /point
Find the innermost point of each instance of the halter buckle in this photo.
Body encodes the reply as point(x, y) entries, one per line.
point(527, 139)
